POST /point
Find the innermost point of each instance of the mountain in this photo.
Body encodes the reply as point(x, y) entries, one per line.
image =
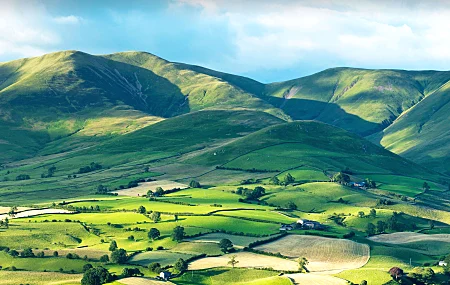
point(80, 100)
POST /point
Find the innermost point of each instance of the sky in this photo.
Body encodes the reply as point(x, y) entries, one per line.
point(266, 40)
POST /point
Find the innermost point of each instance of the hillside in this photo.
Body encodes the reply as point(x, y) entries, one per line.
point(308, 143)
point(77, 100)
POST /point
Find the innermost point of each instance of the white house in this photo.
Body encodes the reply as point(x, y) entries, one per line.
point(442, 263)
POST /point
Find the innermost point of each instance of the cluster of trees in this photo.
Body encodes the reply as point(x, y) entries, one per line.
point(341, 178)
point(50, 172)
point(118, 255)
point(4, 223)
point(102, 190)
point(159, 192)
point(22, 177)
point(370, 183)
point(288, 179)
point(89, 168)
point(254, 194)
point(394, 223)
point(372, 214)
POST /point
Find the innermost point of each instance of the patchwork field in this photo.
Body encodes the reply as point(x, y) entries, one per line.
point(245, 260)
point(141, 281)
point(240, 241)
point(38, 278)
point(323, 254)
point(163, 257)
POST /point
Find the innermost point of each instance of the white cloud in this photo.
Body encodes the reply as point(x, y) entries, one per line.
point(383, 34)
point(68, 19)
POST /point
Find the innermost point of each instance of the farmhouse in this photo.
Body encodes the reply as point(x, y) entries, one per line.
point(358, 184)
point(165, 275)
point(286, 227)
point(442, 263)
point(311, 225)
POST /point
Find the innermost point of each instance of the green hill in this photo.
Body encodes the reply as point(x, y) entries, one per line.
point(312, 144)
point(77, 100)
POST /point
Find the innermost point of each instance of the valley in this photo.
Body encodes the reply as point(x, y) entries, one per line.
point(137, 165)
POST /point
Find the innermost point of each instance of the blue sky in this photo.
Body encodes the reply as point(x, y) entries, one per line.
point(266, 40)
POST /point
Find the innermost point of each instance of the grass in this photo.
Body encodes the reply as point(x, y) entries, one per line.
point(222, 276)
point(163, 257)
point(38, 278)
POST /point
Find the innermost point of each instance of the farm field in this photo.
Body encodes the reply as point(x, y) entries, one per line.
point(323, 254)
point(242, 170)
point(246, 260)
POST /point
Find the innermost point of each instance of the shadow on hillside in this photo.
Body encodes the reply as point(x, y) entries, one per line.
point(333, 114)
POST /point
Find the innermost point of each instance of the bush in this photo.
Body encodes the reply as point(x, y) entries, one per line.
point(155, 267)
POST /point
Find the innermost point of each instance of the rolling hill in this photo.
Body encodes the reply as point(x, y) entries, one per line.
point(79, 100)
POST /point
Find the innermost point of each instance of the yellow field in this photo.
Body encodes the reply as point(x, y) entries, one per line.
point(246, 260)
point(323, 254)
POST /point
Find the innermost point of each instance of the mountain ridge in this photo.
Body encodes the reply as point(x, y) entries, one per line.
point(58, 92)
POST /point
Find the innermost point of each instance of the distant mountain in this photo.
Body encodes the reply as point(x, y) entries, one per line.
point(80, 100)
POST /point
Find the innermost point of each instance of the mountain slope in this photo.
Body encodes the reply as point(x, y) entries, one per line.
point(422, 133)
point(359, 100)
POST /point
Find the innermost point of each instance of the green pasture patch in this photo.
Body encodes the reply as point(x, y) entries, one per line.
point(224, 276)
point(197, 248)
point(38, 278)
point(163, 257)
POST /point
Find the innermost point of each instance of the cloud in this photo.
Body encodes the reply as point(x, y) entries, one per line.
point(23, 30)
point(380, 34)
point(68, 19)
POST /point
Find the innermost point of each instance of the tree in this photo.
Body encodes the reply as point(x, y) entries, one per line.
point(180, 265)
point(102, 189)
point(288, 179)
point(431, 224)
point(341, 178)
point(370, 229)
point(425, 187)
point(274, 181)
point(104, 258)
point(233, 261)
point(12, 211)
point(55, 254)
point(149, 193)
point(153, 234)
point(381, 227)
point(225, 245)
point(87, 266)
point(119, 256)
point(142, 210)
point(194, 184)
point(291, 206)
point(178, 233)
point(27, 252)
point(422, 274)
point(96, 276)
point(258, 192)
point(14, 253)
point(373, 213)
point(155, 267)
point(130, 272)
point(364, 282)
point(158, 192)
point(361, 214)
point(156, 217)
point(302, 262)
point(40, 254)
point(113, 246)
point(396, 273)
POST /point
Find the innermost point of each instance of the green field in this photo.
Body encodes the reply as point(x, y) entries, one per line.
point(81, 131)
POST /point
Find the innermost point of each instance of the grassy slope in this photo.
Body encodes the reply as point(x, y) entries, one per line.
point(308, 143)
point(422, 133)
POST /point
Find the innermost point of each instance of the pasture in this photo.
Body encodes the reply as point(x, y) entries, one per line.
point(144, 187)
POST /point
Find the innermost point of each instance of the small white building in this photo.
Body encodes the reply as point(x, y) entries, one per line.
point(165, 275)
point(442, 263)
